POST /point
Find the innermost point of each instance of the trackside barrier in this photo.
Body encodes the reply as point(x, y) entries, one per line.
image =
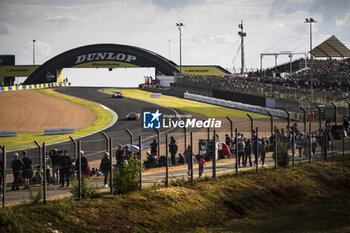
point(33, 86)
point(237, 105)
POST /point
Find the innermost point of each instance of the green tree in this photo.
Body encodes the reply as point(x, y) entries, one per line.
point(126, 177)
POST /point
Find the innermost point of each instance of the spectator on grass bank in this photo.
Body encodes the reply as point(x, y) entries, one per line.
point(27, 173)
point(189, 159)
point(66, 168)
point(105, 167)
point(173, 150)
point(17, 166)
point(119, 155)
point(154, 146)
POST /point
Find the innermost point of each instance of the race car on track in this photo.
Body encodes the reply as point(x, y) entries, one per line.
point(133, 116)
point(118, 94)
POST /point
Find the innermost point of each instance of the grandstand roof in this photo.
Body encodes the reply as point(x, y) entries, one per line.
point(323, 46)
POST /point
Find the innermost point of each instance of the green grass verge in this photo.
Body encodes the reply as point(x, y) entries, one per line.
point(304, 198)
point(208, 110)
point(26, 140)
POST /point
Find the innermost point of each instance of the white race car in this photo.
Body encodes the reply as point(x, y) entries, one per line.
point(118, 94)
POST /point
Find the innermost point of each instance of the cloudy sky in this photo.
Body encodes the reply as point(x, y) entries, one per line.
point(209, 37)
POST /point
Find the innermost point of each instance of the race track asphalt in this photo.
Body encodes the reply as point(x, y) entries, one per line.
point(95, 145)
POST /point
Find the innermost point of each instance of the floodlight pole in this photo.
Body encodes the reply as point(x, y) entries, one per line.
point(179, 25)
point(33, 52)
point(310, 21)
point(242, 35)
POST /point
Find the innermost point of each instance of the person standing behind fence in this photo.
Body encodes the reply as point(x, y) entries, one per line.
point(201, 165)
point(47, 168)
point(66, 168)
point(313, 145)
point(84, 165)
point(173, 150)
point(240, 147)
point(119, 155)
point(225, 151)
point(189, 159)
point(262, 150)
point(300, 144)
point(17, 166)
point(55, 160)
point(27, 173)
point(105, 167)
point(228, 140)
point(154, 146)
point(248, 153)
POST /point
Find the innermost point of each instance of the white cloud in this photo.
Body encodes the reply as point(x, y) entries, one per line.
point(60, 19)
point(6, 28)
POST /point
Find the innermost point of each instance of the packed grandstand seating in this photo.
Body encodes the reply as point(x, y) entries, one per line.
point(330, 79)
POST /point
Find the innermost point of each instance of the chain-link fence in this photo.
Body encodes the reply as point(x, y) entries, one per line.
point(178, 154)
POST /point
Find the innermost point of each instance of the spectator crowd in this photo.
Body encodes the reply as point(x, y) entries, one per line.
point(330, 79)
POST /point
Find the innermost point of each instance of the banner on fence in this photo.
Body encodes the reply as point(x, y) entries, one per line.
point(8, 133)
point(64, 130)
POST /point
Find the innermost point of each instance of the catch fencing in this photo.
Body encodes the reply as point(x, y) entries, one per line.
point(208, 143)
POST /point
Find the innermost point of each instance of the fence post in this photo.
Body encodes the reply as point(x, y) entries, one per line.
point(304, 114)
point(348, 102)
point(40, 154)
point(276, 144)
point(251, 132)
point(75, 147)
point(3, 175)
point(167, 161)
point(335, 114)
point(343, 143)
point(294, 147)
point(107, 141)
point(158, 135)
point(131, 137)
point(231, 125)
point(44, 186)
point(236, 152)
point(79, 169)
point(140, 150)
point(214, 155)
point(257, 150)
point(191, 135)
point(310, 141)
point(185, 138)
point(111, 165)
point(320, 114)
point(271, 122)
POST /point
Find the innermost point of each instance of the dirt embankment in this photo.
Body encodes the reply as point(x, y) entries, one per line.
point(30, 111)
